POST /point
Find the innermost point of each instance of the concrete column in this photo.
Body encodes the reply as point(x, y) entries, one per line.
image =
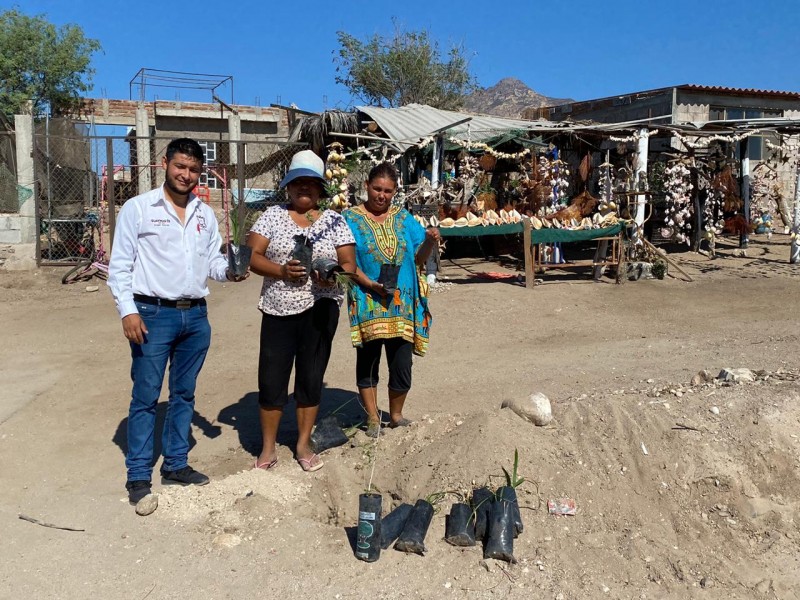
point(234, 136)
point(23, 127)
point(143, 149)
point(794, 255)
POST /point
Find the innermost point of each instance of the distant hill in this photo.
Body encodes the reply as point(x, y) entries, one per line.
point(508, 98)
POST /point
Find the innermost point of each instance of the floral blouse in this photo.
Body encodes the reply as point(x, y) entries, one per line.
point(328, 232)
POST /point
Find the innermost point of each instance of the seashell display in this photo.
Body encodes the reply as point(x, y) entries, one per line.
point(596, 218)
point(470, 216)
point(491, 217)
point(462, 222)
point(504, 216)
point(557, 224)
point(547, 224)
point(586, 223)
point(515, 216)
point(574, 223)
point(474, 222)
point(420, 220)
point(536, 222)
point(434, 221)
point(448, 222)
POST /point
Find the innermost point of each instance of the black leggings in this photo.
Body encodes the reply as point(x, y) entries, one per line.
point(398, 355)
point(305, 340)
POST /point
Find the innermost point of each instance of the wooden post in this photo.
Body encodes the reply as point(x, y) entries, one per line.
point(697, 226)
point(110, 193)
point(527, 251)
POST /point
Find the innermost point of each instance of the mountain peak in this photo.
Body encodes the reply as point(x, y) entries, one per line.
point(509, 97)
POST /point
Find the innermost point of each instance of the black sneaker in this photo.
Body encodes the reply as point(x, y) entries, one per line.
point(137, 490)
point(185, 476)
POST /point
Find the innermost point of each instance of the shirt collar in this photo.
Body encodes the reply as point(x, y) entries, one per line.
point(160, 197)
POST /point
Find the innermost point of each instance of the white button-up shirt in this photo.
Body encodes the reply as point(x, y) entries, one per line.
point(154, 254)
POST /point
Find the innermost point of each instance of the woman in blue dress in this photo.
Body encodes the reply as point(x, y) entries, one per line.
point(384, 313)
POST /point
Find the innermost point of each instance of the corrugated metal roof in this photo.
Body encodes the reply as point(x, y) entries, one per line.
point(413, 122)
point(739, 91)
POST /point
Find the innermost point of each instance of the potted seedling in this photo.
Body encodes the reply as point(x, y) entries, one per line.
point(412, 538)
point(368, 540)
point(504, 519)
point(368, 535)
point(481, 503)
point(393, 523)
point(388, 277)
point(238, 252)
point(303, 251)
point(459, 525)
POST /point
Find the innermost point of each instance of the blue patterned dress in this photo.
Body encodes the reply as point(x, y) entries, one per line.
point(405, 313)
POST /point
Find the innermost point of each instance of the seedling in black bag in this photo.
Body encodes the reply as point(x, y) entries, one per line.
point(481, 507)
point(412, 538)
point(393, 523)
point(505, 522)
point(388, 277)
point(459, 525)
point(509, 492)
point(303, 252)
point(327, 434)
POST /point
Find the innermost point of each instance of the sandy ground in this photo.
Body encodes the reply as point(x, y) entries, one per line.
point(708, 512)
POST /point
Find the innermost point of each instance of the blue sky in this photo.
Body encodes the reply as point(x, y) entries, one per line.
point(283, 51)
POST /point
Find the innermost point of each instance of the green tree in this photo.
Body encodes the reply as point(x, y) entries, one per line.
point(406, 68)
point(42, 64)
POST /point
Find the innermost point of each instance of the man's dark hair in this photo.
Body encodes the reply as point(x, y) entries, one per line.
point(185, 146)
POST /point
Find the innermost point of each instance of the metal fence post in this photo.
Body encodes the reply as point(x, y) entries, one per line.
point(110, 192)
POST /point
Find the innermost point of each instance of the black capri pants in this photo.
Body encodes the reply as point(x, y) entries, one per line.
point(398, 355)
point(304, 339)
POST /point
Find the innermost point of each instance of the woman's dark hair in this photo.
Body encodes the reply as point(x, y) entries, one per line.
point(185, 146)
point(385, 170)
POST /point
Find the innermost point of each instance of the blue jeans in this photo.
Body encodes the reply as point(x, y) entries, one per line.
point(181, 337)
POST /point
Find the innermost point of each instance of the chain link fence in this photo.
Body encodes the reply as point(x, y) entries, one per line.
point(84, 181)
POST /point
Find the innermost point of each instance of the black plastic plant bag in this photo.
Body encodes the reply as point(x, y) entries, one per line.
point(412, 538)
point(499, 542)
point(327, 434)
point(368, 534)
point(510, 494)
point(459, 525)
point(303, 251)
point(388, 277)
point(238, 259)
point(481, 504)
point(326, 269)
point(393, 523)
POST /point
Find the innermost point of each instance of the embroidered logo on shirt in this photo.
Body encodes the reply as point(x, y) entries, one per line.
point(201, 223)
point(160, 222)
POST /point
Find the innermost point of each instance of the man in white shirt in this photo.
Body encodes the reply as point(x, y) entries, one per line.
point(166, 246)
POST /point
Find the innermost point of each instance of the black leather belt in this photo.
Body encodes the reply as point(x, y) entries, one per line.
point(182, 303)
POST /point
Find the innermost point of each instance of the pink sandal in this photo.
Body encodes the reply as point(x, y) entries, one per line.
point(309, 465)
point(267, 465)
